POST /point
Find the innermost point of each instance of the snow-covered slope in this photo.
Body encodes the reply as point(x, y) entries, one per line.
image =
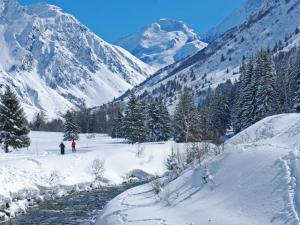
point(276, 20)
point(54, 62)
point(236, 18)
point(163, 42)
point(254, 182)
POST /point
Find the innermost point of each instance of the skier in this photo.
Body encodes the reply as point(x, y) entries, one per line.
point(62, 148)
point(73, 144)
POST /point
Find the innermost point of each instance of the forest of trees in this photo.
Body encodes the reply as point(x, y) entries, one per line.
point(267, 86)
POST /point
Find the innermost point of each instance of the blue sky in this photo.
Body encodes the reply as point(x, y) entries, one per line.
point(112, 19)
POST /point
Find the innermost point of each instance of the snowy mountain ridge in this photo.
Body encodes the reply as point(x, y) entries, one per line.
point(55, 63)
point(236, 18)
point(163, 42)
point(275, 21)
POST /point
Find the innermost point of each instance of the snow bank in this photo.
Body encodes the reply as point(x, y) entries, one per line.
point(41, 172)
point(255, 181)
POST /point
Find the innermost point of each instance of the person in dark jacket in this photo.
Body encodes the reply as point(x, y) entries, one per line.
point(62, 148)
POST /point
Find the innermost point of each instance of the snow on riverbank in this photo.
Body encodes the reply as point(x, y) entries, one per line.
point(254, 182)
point(28, 173)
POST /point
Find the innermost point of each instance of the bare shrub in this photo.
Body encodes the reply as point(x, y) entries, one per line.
point(97, 169)
point(140, 149)
point(196, 152)
point(157, 186)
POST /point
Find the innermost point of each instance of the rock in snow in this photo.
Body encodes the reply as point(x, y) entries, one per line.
point(55, 63)
point(163, 42)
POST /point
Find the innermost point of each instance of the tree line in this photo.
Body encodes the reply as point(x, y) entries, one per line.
point(267, 86)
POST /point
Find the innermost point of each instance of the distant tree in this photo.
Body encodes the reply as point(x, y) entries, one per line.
point(134, 126)
point(71, 128)
point(158, 121)
point(13, 124)
point(185, 121)
point(222, 58)
point(38, 122)
point(117, 126)
point(295, 76)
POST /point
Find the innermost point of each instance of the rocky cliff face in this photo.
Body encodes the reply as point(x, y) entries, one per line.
point(55, 63)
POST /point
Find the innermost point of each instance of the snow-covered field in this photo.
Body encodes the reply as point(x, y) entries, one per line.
point(28, 172)
point(254, 182)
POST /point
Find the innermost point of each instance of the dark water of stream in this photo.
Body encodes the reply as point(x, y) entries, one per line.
point(74, 209)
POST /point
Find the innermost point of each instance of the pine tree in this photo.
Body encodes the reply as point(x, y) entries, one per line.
point(237, 105)
point(13, 124)
point(152, 121)
point(38, 122)
point(117, 126)
point(295, 76)
point(247, 95)
point(164, 130)
point(158, 121)
point(134, 126)
point(71, 129)
point(186, 121)
point(266, 99)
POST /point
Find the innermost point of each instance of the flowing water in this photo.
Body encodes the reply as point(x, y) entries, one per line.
point(76, 208)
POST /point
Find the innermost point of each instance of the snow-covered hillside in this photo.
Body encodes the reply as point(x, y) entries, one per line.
point(236, 18)
point(274, 22)
point(55, 63)
point(163, 42)
point(254, 181)
point(30, 172)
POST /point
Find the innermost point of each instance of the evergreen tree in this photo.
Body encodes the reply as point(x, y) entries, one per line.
point(295, 76)
point(152, 121)
point(248, 95)
point(158, 121)
point(13, 124)
point(186, 121)
point(266, 99)
point(117, 126)
point(71, 129)
point(164, 122)
point(219, 110)
point(38, 122)
point(134, 121)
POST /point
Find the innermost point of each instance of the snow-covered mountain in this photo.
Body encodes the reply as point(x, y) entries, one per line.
point(163, 42)
point(236, 18)
point(55, 63)
point(273, 24)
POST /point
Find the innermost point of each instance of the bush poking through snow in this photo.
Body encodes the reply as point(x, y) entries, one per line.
point(55, 178)
point(97, 169)
point(175, 162)
point(157, 186)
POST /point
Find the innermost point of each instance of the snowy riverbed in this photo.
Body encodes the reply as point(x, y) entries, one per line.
point(40, 170)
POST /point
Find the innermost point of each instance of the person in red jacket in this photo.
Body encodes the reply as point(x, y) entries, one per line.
point(73, 144)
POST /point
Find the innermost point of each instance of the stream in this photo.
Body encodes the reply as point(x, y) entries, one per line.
point(73, 209)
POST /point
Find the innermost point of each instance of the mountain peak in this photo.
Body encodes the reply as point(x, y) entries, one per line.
point(163, 42)
point(55, 63)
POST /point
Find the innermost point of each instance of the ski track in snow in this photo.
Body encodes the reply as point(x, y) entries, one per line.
point(123, 216)
point(289, 167)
